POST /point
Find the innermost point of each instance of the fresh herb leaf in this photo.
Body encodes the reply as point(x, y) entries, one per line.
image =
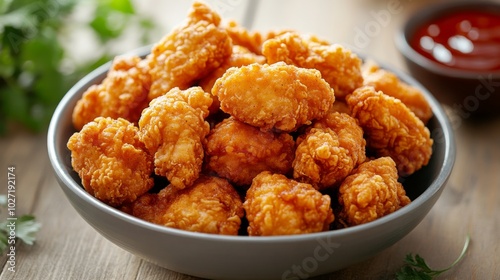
point(415, 267)
point(26, 228)
point(124, 6)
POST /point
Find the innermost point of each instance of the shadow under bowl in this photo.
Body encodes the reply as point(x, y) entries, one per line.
point(246, 257)
point(471, 94)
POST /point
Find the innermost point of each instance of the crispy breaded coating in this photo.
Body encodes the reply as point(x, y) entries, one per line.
point(189, 52)
point(276, 205)
point(391, 129)
point(173, 128)
point(210, 205)
point(340, 67)
point(328, 152)
point(311, 38)
point(370, 192)
point(122, 94)
point(240, 57)
point(111, 161)
point(349, 132)
point(390, 84)
point(245, 38)
point(200, 11)
point(239, 152)
point(277, 96)
point(340, 106)
point(253, 40)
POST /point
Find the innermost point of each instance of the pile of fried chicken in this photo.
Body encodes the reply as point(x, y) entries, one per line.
point(228, 131)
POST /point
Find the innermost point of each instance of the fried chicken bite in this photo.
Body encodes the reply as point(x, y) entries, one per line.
point(340, 67)
point(239, 152)
point(329, 151)
point(173, 129)
point(210, 205)
point(278, 96)
point(370, 192)
point(390, 84)
point(202, 12)
point(189, 52)
point(111, 161)
point(391, 129)
point(240, 56)
point(276, 205)
point(243, 37)
point(122, 94)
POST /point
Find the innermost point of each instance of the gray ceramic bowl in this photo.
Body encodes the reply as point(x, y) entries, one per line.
point(244, 257)
point(469, 93)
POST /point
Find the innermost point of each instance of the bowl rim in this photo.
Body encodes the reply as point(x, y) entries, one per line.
point(75, 188)
point(434, 11)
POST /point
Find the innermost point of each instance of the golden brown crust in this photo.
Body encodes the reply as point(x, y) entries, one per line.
point(276, 205)
point(111, 161)
point(189, 52)
point(277, 96)
point(390, 84)
point(245, 38)
point(340, 67)
point(173, 129)
point(391, 129)
point(329, 151)
point(122, 94)
point(200, 11)
point(371, 192)
point(240, 57)
point(239, 152)
point(210, 205)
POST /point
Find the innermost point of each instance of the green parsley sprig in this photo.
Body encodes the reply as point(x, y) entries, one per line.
point(415, 267)
point(26, 228)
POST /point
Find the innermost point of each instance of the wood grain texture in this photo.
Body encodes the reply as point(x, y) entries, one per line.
point(68, 248)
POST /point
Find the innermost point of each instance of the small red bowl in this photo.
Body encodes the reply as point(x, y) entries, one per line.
point(470, 93)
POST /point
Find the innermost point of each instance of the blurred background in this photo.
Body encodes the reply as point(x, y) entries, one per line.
point(47, 45)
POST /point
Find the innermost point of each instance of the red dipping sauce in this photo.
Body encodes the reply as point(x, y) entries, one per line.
point(467, 40)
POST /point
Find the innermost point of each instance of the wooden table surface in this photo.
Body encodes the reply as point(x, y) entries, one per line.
point(68, 248)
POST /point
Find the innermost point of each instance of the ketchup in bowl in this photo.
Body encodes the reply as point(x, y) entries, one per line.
point(462, 39)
